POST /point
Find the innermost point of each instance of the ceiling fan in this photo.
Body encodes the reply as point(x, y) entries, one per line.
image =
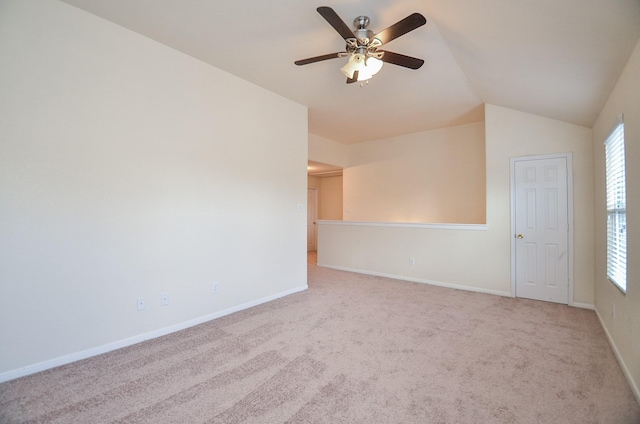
point(365, 60)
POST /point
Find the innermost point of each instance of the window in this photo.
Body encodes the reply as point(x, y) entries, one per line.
point(616, 208)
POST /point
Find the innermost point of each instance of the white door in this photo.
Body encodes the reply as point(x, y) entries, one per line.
point(312, 212)
point(541, 229)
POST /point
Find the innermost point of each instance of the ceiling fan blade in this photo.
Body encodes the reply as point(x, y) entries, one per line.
point(335, 21)
point(401, 60)
point(317, 58)
point(354, 79)
point(411, 22)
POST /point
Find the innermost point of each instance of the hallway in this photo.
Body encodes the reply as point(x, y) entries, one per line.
point(312, 257)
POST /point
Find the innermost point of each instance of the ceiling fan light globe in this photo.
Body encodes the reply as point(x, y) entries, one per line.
point(366, 66)
point(371, 67)
point(364, 75)
point(374, 65)
point(355, 63)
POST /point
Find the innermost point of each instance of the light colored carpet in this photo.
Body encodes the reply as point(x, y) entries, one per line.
point(351, 349)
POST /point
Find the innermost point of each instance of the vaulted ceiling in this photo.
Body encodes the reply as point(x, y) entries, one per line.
point(555, 58)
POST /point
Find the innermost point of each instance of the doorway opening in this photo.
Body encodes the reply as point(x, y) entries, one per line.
point(324, 200)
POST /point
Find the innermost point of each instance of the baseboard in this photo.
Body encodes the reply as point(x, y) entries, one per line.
point(623, 366)
point(583, 306)
point(77, 356)
point(418, 280)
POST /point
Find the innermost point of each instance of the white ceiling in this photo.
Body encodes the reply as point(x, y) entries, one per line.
point(555, 58)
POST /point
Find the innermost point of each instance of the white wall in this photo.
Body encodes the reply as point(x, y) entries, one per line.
point(128, 169)
point(478, 259)
point(510, 134)
point(624, 329)
point(432, 176)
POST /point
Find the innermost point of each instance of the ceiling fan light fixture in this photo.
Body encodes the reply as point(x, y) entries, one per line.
point(366, 66)
point(362, 45)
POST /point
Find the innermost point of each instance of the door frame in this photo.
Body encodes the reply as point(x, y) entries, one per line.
point(570, 251)
point(315, 214)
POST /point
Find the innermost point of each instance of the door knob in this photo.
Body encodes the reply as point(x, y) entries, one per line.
point(520, 236)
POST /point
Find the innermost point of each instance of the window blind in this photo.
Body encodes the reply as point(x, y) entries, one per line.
point(616, 208)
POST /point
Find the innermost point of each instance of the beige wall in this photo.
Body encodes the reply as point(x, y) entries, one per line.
point(476, 259)
point(624, 328)
point(313, 182)
point(327, 151)
point(128, 170)
point(330, 192)
point(330, 198)
point(433, 176)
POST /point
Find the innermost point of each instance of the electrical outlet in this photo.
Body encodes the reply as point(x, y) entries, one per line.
point(141, 303)
point(412, 261)
point(164, 299)
point(215, 286)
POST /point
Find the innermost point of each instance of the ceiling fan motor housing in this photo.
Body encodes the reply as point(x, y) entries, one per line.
point(361, 22)
point(363, 43)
